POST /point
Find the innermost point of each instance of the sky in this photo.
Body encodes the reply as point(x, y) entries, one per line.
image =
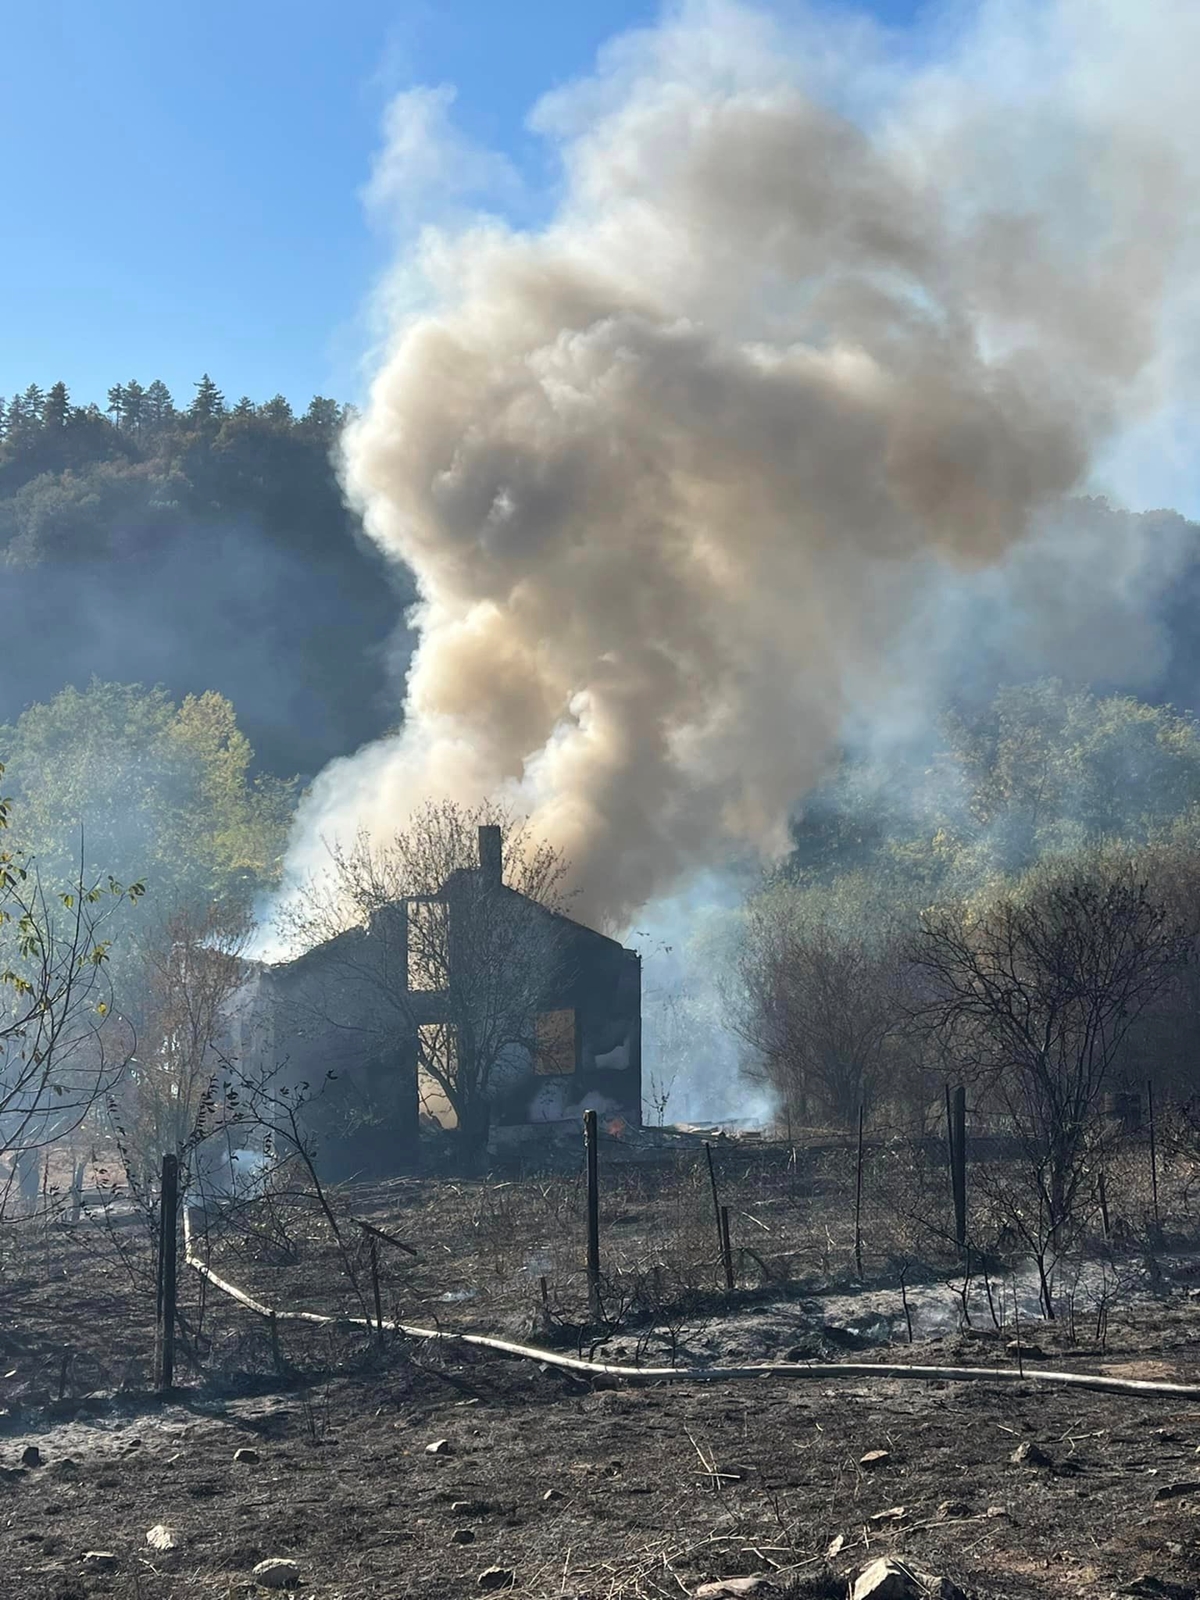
point(183, 184)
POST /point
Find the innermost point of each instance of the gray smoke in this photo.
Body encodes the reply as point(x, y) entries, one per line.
point(672, 470)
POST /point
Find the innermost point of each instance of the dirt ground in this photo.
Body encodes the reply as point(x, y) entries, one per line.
point(576, 1488)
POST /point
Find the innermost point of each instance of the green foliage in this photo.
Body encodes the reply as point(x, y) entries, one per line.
point(1047, 772)
point(1022, 835)
point(1041, 772)
point(227, 528)
point(62, 1044)
point(158, 791)
point(69, 475)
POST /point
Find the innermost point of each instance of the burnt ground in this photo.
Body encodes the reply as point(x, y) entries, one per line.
point(602, 1492)
point(579, 1489)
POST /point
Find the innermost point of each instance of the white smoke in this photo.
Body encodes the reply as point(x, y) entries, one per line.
point(672, 469)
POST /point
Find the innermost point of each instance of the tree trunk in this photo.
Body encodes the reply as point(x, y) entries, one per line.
point(1062, 1162)
point(28, 1168)
point(474, 1125)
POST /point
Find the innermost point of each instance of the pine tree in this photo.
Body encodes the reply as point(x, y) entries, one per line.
point(158, 408)
point(133, 398)
point(116, 401)
point(34, 401)
point(58, 406)
point(244, 408)
point(209, 403)
point(14, 420)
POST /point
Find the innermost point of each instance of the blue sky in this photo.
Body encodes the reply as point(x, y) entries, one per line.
point(181, 183)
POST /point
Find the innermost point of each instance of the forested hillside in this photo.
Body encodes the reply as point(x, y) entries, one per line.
point(200, 546)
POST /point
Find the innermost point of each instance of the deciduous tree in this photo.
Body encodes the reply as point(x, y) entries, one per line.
point(63, 1042)
point(1034, 990)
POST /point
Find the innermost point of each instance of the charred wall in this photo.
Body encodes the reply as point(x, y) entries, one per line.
point(343, 1033)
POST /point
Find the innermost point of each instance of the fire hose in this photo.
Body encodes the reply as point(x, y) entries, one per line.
point(773, 1369)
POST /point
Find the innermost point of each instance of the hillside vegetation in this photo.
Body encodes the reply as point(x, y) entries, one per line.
point(202, 547)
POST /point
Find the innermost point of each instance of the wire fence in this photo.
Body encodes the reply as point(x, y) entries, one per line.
point(508, 1250)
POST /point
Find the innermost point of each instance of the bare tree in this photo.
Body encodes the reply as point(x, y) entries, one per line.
point(1034, 991)
point(1163, 1047)
point(820, 1003)
point(190, 972)
point(63, 1045)
point(423, 948)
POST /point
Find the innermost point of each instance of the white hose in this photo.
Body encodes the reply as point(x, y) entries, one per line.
point(764, 1369)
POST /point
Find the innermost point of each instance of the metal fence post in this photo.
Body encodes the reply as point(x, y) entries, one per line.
point(726, 1248)
point(858, 1177)
point(168, 1250)
point(959, 1144)
point(591, 1142)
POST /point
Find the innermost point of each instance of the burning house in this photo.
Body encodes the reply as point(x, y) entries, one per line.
point(474, 1010)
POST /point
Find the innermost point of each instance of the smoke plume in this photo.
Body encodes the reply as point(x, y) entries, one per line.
point(672, 467)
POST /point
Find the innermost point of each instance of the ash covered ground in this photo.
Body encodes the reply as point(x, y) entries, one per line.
point(555, 1485)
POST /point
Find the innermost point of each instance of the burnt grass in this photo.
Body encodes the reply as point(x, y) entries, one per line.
point(578, 1487)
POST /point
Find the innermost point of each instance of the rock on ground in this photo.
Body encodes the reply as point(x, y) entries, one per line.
point(497, 1578)
point(276, 1572)
point(896, 1580)
point(762, 1585)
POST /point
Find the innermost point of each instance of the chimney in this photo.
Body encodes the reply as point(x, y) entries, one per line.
point(490, 857)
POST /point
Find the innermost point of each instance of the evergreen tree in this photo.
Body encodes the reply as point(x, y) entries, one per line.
point(209, 405)
point(116, 402)
point(158, 408)
point(16, 429)
point(94, 516)
point(58, 406)
point(34, 401)
point(277, 412)
point(323, 414)
point(133, 399)
point(244, 408)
